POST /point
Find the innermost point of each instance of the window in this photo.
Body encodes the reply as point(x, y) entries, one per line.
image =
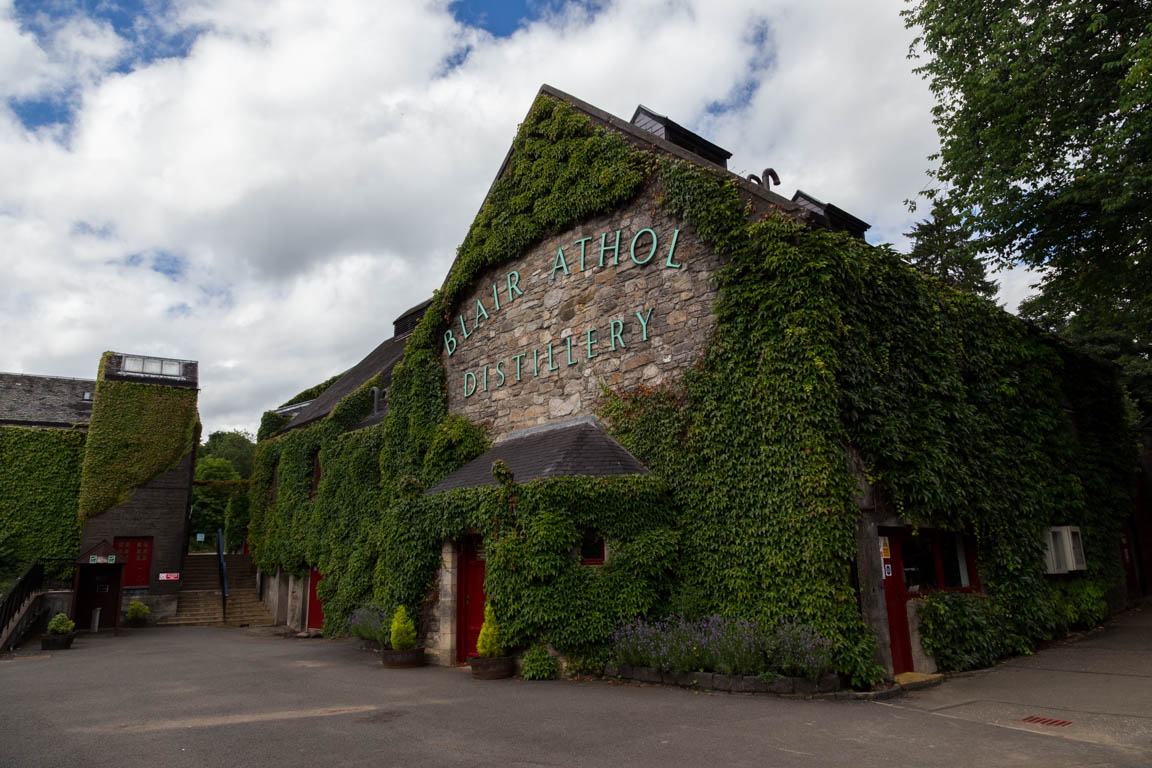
point(153, 366)
point(134, 364)
point(592, 548)
point(936, 560)
point(170, 368)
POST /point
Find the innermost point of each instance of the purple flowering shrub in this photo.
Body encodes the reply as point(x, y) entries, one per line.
point(371, 622)
point(725, 645)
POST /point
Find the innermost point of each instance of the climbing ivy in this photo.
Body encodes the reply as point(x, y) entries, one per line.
point(137, 432)
point(822, 345)
point(39, 485)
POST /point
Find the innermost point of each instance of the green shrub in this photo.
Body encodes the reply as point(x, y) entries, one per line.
point(965, 631)
point(61, 625)
point(539, 664)
point(137, 610)
point(370, 622)
point(488, 644)
point(1080, 603)
point(403, 630)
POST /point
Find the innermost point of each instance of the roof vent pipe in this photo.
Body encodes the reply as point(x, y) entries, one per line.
point(763, 179)
point(375, 399)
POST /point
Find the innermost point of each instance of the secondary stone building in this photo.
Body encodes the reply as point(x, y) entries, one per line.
point(104, 466)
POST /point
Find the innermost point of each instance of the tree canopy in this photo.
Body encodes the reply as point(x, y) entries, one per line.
point(1044, 111)
point(236, 446)
point(215, 482)
point(943, 246)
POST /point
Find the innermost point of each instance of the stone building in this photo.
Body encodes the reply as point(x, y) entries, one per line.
point(618, 301)
point(103, 464)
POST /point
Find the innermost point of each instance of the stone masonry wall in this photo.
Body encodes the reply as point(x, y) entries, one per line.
point(589, 317)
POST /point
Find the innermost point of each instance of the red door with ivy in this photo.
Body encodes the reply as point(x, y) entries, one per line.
point(470, 600)
point(136, 553)
point(896, 599)
point(315, 607)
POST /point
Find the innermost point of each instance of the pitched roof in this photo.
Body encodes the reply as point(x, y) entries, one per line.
point(380, 360)
point(44, 401)
point(575, 447)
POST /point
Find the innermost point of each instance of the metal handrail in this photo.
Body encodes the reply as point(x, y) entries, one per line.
point(223, 573)
point(29, 583)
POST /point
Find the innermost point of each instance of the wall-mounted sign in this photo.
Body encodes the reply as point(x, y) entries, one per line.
point(885, 551)
point(169, 577)
point(199, 537)
point(887, 570)
point(581, 345)
point(101, 559)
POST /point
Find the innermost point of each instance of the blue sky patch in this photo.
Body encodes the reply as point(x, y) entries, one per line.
point(172, 265)
point(503, 17)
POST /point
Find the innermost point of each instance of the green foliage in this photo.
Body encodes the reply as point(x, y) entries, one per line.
point(1080, 603)
point(271, 423)
point(489, 644)
point(61, 625)
point(136, 611)
point(216, 481)
point(539, 664)
point(942, 246)
point(39, 486)
point(237, 446)
point(236, 520)
point(137, 432)
point(403, 630)
point(1043, 120)
point(370, 622)
point(966, 631)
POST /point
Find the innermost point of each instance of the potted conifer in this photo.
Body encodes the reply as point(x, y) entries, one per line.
point(60, 634)
point(491, 664)
point(137, 614)
point(403, 652)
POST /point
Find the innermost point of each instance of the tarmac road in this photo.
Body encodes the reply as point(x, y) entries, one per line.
point(207, 696)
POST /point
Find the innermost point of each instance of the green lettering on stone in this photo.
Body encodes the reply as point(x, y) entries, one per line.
point(582, 242)
point(469, 375)
point(615, 329)
point(644, 324)
point(550, 366)
point(479, 311)
point(449, 342)
point(500, 370)
point(560, 263)
point(651, 251)
point(517, 359)
point(568, 341)
point(514, 284)
point(671, 250)
point(615, 249)
point(592, 340)
point(463, 328)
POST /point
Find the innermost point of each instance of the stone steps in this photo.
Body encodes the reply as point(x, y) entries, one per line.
point(200, 594)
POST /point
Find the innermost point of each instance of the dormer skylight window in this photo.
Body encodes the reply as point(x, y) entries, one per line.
point(152, 366)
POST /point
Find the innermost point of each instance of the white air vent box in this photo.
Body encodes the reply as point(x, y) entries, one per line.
point(1065, 549)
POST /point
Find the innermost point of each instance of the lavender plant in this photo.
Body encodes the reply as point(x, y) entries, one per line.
point(370, 622)
point(730, 646)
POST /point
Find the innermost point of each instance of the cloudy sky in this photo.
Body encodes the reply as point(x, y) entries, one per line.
point(263, 185)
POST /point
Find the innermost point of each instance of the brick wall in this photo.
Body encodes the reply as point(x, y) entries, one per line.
point(157, 509)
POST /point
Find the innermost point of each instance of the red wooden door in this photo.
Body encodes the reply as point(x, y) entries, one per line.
point(315, 607)
point(896, 599)
point(470, 600)
point(137, 555)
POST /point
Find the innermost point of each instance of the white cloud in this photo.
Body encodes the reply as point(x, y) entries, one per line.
point(312, 166)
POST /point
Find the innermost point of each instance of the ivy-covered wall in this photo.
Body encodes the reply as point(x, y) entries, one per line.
point(39, 487)
point(137, 432)
point(964, 417)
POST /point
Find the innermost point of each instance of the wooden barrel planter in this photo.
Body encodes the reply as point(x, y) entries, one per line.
point(57, 642)
point(392, 659)
point(495, 668)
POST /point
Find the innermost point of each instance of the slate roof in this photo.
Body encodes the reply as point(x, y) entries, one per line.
point(380, 360)
point(576, 447)
point(44, 401)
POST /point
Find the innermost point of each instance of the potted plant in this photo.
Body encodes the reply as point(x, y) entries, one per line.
point(137, 614)
point(60, 634)
point(403, 652)
point(491, 664)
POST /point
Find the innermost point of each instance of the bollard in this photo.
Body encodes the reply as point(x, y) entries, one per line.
point(95, 619)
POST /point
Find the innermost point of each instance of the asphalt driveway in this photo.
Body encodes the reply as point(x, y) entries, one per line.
point(206, 696)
